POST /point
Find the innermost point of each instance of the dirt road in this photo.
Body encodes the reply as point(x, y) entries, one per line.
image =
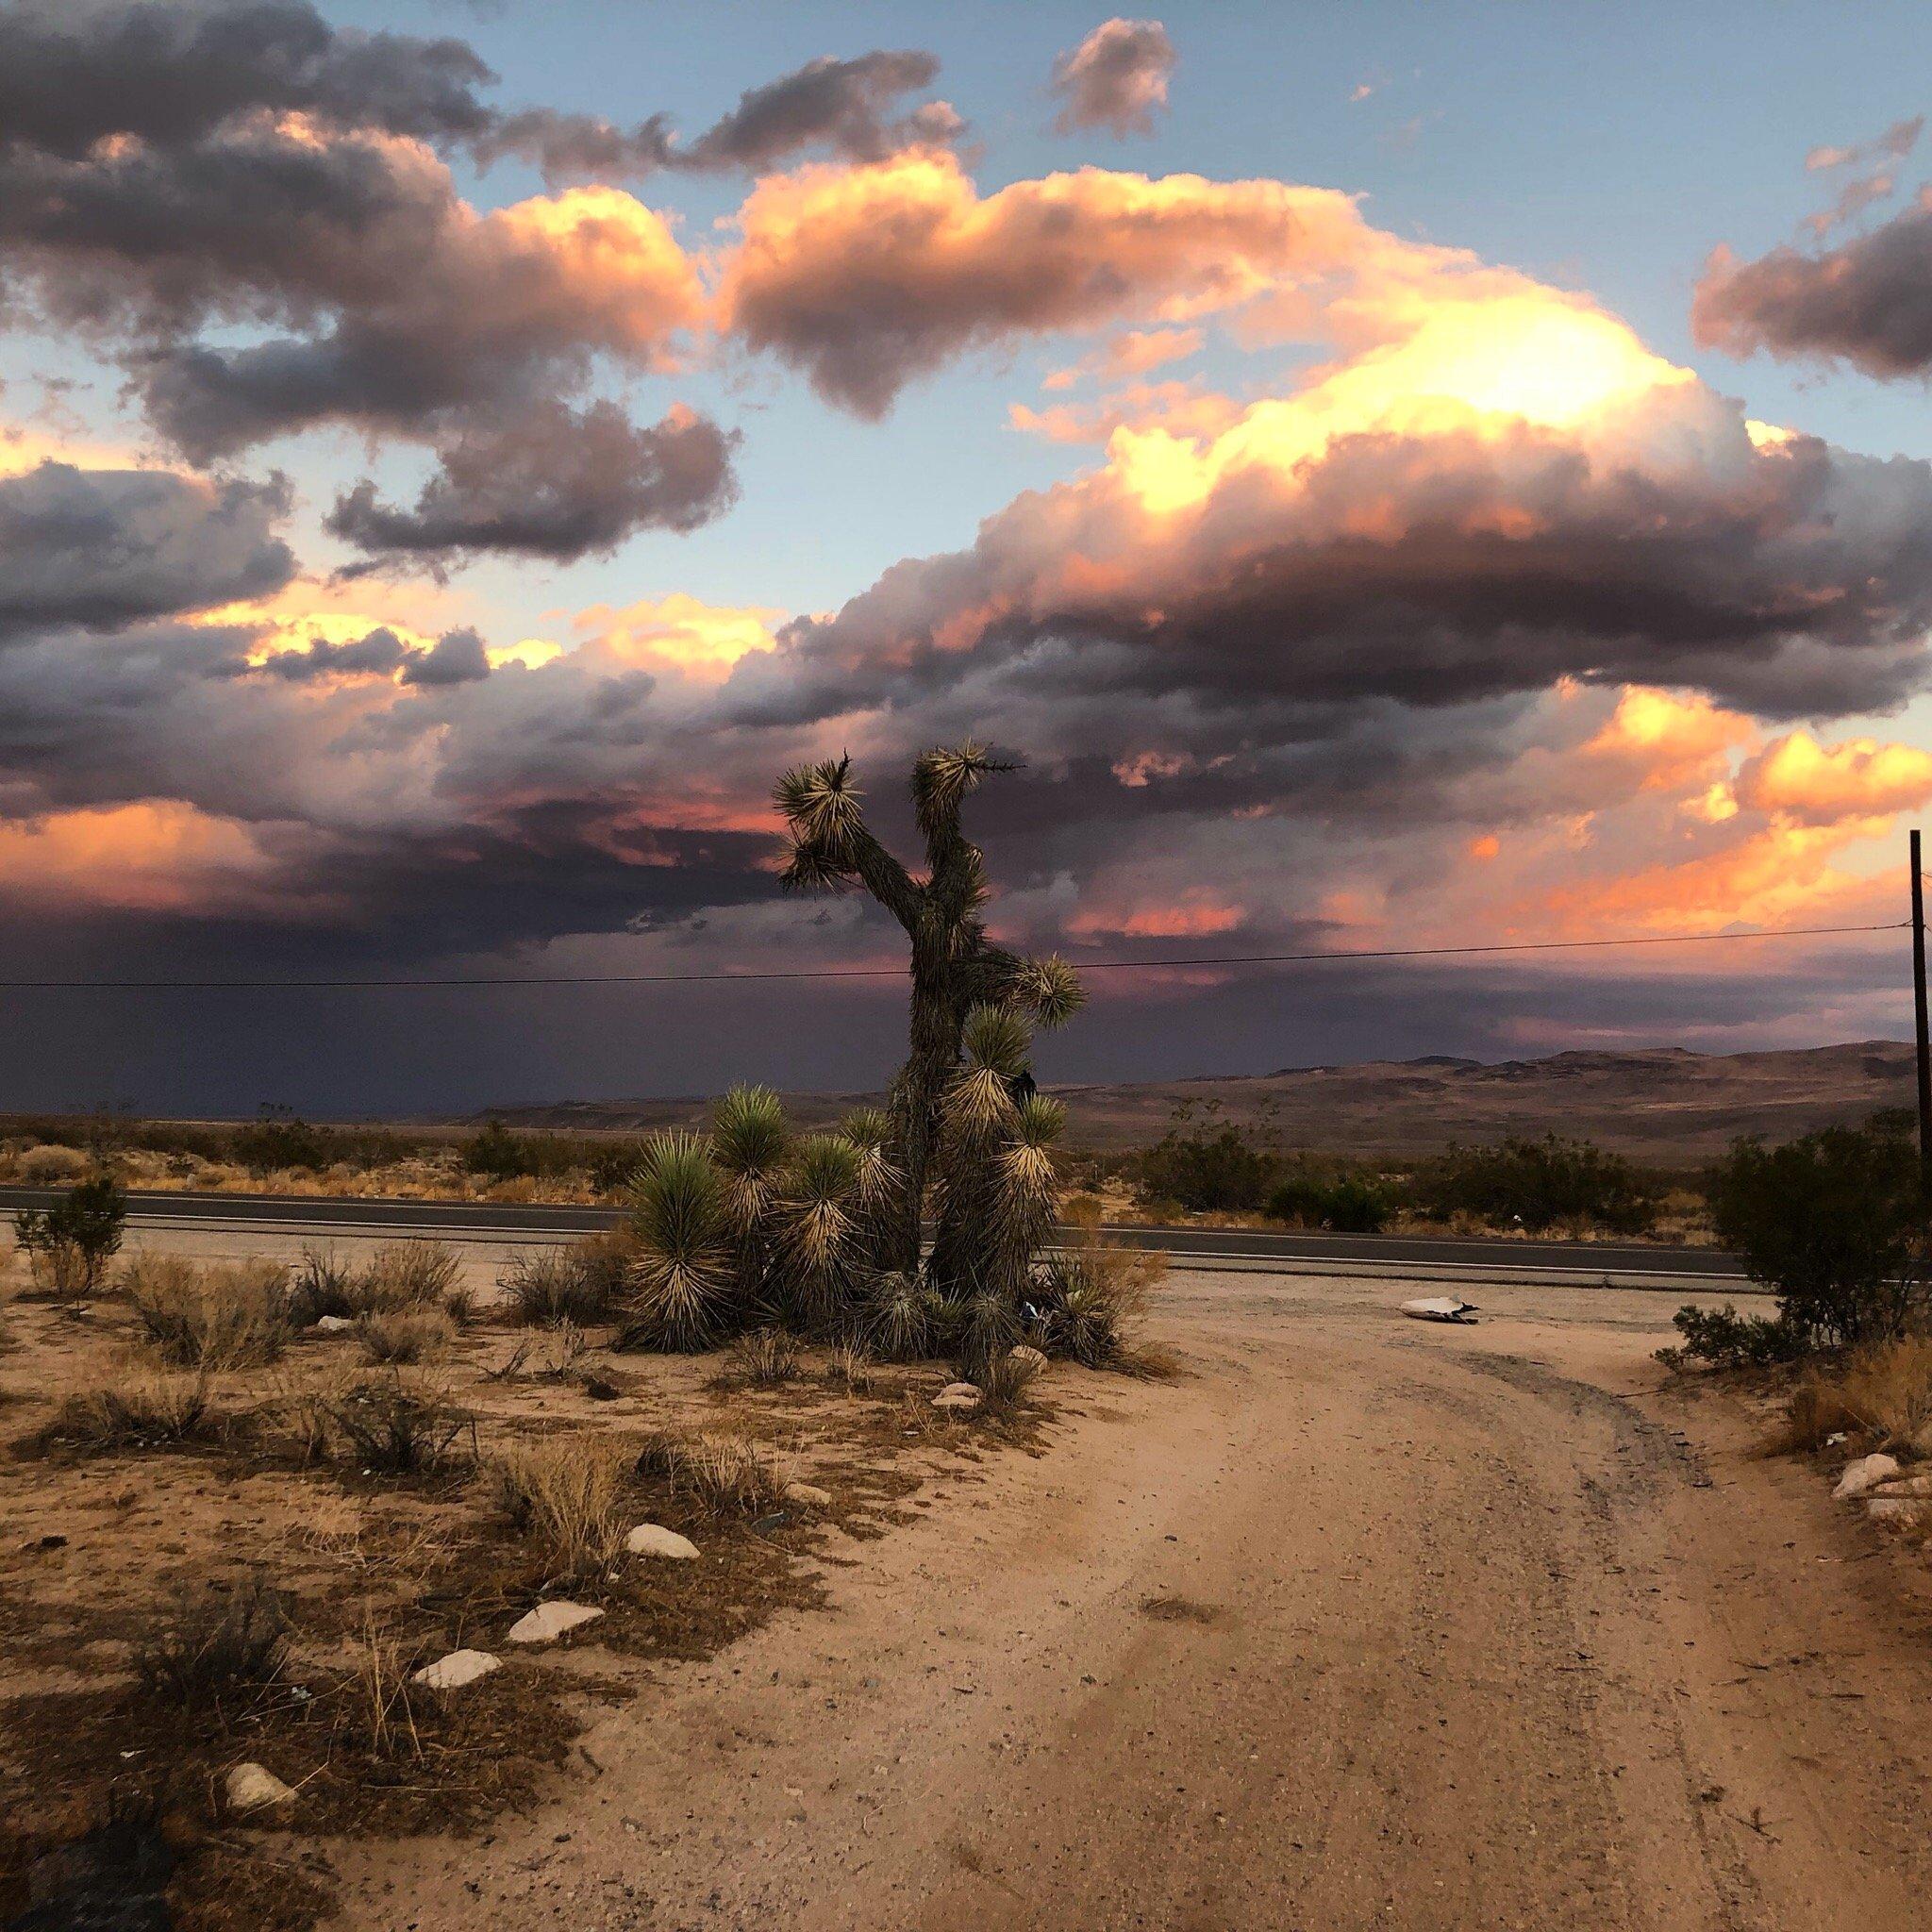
point(1360, 1624)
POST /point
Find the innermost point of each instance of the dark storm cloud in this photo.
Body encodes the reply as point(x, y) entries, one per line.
point(456, 658)
point(1867, 302)
point(1798, 581)
point(108, 547)
point(552, 483)
point(845, 108)
point(1116, 78)
point(169, 70)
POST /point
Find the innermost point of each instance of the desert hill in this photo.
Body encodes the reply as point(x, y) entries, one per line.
point(1662, 1104)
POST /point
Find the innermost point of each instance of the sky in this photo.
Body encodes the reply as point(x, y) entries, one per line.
point(1389, 476)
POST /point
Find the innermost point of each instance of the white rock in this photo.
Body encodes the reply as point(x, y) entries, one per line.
point(1905, 1509)
point(548, 1622)
point(654, 1539)
point(1867, 1472)
point(333, 1325)
point(458, 1668)
point(254, 1787)
point(1906, 1486)
point(808, 1495)
point(1024, 1357)
point(964, 1397)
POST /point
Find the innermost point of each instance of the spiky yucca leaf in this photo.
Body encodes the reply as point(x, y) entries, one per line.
point(867, 1127)
point(1049, 989)
point(682, 1273)
point(996, 1038)
point(749, 1136)
point(1025, 1184)
point(820, 803)
point(944, 776)
point(900, 1317)
point(817, 1235)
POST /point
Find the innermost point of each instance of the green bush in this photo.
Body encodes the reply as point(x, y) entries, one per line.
point(277, 1139)
point(500, 1155)
point(1348, 1206)
point(1206, 1172)
point(1535, 1184)
point(1727, 1339)
point(70, 1244)
point(1832, 1223)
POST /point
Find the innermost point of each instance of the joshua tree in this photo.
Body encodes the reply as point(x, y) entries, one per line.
point(954, 968)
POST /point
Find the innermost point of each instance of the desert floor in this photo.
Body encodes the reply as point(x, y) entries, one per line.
point(1356, 1623)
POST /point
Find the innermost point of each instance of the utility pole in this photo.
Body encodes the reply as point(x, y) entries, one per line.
point(1919, 1016)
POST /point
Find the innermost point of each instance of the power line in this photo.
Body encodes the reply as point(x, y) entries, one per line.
point(1678, 939)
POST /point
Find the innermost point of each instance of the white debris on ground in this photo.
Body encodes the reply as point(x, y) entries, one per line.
point(963, 1398)
point(1862, 1475)
point(1439, 1307)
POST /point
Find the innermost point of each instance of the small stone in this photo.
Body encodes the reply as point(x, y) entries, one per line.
point(1865, 1473)
point(458, 1668)
point(963, 1397)
point(254, 1787)
point(1905, 1509)
point(548, 1622)
point(333, 1325)
point(654, 1539)
point(1027, 1356)
point(1906, 1486)
point(808, 1495)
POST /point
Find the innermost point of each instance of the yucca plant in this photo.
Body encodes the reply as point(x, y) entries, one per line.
point(683, 1274)
point(750, 1143)
point(954, 967)
point(818, 1252)
point(880, 1178)
point(977, 1120)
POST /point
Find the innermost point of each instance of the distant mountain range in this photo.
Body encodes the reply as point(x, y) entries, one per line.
point(1662, 1104)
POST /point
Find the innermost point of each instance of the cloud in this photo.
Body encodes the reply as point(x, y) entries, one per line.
point(842, 107)
point(1874, 172)
point(111, 547)
point(553, 483)
point(865, 278)
point(1115, 79)
point(1820, 784)
point(1867, 302)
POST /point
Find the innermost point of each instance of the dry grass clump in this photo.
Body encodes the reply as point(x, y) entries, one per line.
point(566, 1494)
point(373, 1711)
point(42, 1166)
point(407, 1274)
point(563, 1284)
point(323, 1284)
point(388, 1426)
point(215, 1315)
point(405, 1336)
point(724, 1474)
point(1089, 1296)
point(1883, 1391)
point(766, 1357)
point(218, 1650)
point(851, 1369)
point(140, 1409)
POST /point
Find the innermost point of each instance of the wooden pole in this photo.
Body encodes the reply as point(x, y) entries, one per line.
point(1925, 1039)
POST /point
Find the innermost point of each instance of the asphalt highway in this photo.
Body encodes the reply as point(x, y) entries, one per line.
point(1447, 1259)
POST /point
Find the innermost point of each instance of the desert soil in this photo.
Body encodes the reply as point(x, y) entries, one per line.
point(1358, 1622)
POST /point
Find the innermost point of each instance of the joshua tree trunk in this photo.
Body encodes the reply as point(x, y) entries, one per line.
point(953, 966)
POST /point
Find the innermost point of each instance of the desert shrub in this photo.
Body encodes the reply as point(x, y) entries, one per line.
point(277, 1139)
point(69, 1245)
point(404, 1335)
point(851, 1369)
point(560, 1284)
point(723, 1473)
point(1348, 1206)
point(214, 1315)
point(387, 1427)
point(611, 1168)
point(140, 1409)
point(1088, 1295)
point(1002, 1381)
point(321, 1284)
point(1831, 1223)
point(43, 1166)
point(1724, 1338)
point(217, 1651)
point(1534, 1184)
point(496, 1154)
point(764, 1358)
point(566, 1494)
point(407, 1274)
point(1206, 1172)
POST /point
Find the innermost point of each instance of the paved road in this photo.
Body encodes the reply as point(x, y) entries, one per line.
point(1448, 1258)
